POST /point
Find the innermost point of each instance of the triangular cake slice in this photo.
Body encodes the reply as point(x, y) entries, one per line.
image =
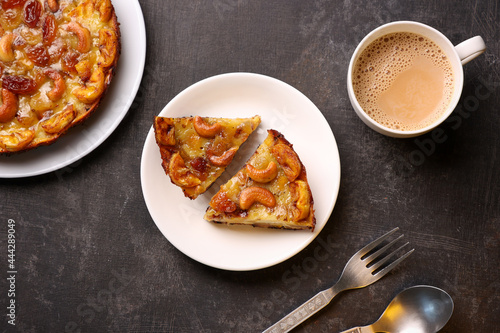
point(195, 151)
point(270, 191)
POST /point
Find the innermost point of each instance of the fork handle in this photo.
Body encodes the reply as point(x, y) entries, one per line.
point(306, 310)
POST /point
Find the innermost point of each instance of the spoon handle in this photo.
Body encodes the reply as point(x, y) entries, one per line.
point(360, 329)
point(353, 330)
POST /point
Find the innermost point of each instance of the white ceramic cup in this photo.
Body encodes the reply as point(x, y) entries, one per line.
point(458, 55)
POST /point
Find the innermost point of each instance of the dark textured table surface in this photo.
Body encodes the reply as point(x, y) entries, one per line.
point(91, 259)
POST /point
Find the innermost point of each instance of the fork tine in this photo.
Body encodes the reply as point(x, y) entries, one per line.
point(387, 269)
point(386, 258)
point(375, 255)
point(375, 243)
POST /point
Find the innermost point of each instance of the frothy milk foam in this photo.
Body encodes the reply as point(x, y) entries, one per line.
point(403, 81)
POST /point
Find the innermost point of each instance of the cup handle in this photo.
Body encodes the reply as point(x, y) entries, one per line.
point(470, 48)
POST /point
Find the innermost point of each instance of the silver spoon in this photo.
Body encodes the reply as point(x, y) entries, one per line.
point(419, 309)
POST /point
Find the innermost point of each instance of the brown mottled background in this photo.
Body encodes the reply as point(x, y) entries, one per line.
point(89, 254)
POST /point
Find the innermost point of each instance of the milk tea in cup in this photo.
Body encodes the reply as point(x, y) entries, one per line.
point(405, 78)
point(403, 81)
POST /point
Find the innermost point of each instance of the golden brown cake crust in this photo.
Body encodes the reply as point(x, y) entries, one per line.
point(57, 60)
point(270, 191)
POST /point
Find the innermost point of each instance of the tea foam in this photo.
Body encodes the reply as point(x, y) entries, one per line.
point(403, 81)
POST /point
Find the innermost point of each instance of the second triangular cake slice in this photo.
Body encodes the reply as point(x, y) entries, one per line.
point(270, 191)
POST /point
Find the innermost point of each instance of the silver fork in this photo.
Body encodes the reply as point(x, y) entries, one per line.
point(359, 272)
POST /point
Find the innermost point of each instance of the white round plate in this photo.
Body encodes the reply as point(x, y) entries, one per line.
point(81, 140)
point(281, 107)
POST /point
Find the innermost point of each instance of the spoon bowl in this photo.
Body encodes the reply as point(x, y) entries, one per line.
point(419, 309)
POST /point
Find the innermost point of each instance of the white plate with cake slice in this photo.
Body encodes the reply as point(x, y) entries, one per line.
point(281, 107)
